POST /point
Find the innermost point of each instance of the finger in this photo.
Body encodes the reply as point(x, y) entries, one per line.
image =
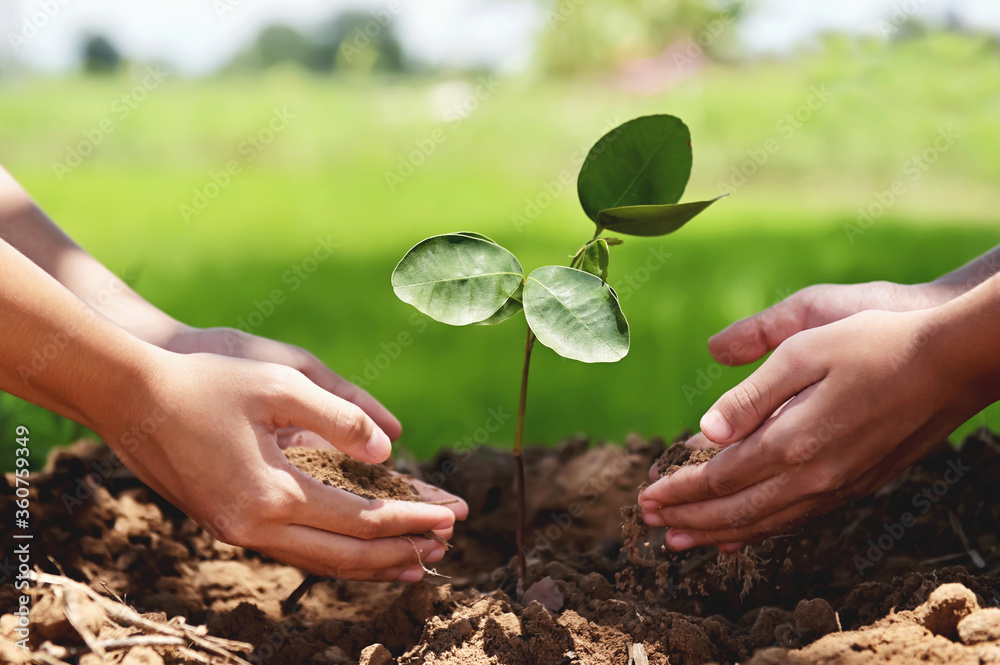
point(384, 575)
point(700, 442)
point(334, 509)
point(679, 540)
point(296, 437)
point(335, 555)
point(729, 548)
point(752, 337)
point(329, 380)
point(697, 442)
point(744, 408)
point(752, 504)
point(432, 494)
point(340, 422)
point(733, 469)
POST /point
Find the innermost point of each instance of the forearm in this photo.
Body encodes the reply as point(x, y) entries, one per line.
point(970, 275)
point(55, 352)
point(29, 230)
point(965, 335)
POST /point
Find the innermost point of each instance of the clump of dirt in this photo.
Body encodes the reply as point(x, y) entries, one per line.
point(677, 457)
point(908, 574)
point(370, 481)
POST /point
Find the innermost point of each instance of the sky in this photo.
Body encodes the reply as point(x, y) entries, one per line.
point(199, 36)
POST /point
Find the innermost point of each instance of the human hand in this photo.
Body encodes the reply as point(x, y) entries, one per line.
point(751, 338)
point(836, 412)
point(203, 433)
point(238, 344)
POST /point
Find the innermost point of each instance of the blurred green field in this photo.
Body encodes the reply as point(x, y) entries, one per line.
point(324, 175)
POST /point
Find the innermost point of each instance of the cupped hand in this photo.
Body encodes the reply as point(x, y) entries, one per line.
point(204, 434)
point(238, 344)
point(836, 412)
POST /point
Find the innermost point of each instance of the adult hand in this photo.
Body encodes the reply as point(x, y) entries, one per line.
point(238, 344)
point(833, 414)
point(751, 338)
point(203, 433)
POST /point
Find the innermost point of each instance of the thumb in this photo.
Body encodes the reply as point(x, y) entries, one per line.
point(744, 408)
point(342, 423)
point(751, 338)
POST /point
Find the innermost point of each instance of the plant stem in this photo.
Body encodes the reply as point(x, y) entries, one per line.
point(529, 343)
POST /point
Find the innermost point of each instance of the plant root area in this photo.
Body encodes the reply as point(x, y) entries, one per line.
point(906, 575)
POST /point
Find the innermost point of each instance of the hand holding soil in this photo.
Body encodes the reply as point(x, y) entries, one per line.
point(857, 390)
point(216, 455)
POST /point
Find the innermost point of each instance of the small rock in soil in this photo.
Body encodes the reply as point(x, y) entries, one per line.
point(376, 654)
point(814, 619)
point(980, 626)
point(546, 592)
point(946, 606)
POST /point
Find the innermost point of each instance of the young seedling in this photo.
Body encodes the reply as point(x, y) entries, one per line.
point(629, 184)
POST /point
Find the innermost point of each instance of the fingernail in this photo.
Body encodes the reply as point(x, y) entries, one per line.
point(446, 524)
point(714, 426)
point(436, 555)
point(652, 519)
point(678, 541)
point(411, 575)
point(379, 446)
point(649, 504)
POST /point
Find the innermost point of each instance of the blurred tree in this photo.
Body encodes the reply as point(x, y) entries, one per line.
point(99, 55)
point(363, 42)
point(352, 42)
point(591, 36)
point(277, 44)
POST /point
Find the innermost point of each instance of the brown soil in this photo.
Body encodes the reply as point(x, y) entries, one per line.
point(371, 481)
point(854, 586)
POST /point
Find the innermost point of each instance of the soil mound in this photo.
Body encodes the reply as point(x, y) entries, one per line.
point(906, 575)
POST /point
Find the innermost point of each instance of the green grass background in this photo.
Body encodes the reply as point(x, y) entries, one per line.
point(325, 175)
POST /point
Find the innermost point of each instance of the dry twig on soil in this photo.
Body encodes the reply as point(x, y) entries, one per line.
point(175, 634)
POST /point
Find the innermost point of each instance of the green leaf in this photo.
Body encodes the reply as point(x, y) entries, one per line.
point(646, 161)
point(595, 258)
point(457, 278)
point(575, 314)
point(651, 220)
point(507, 310)
point(473, 234)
